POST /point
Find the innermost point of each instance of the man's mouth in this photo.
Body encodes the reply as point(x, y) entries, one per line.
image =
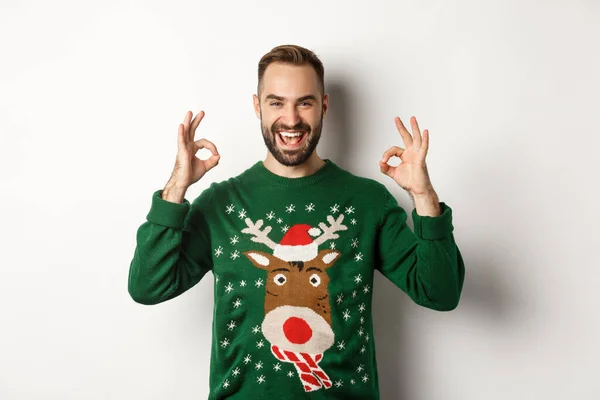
point(291, 139)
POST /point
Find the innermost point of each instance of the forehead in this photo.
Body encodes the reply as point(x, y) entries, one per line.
point(288, 80)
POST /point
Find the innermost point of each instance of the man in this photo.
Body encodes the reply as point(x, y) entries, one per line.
point(293, 243)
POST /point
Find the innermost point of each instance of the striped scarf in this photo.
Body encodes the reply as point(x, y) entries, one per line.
point(306, 366)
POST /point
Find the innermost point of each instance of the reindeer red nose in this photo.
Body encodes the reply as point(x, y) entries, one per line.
point(297, 330)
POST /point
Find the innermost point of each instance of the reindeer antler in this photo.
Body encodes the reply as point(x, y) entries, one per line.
point(329, 232)
point(259, 236)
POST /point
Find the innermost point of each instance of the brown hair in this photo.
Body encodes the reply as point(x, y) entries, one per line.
point(295, 55)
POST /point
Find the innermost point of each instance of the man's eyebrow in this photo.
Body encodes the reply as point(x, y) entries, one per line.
point(303, 98)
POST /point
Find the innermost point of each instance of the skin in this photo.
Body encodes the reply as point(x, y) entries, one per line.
point(282, 103)
point(290, 99)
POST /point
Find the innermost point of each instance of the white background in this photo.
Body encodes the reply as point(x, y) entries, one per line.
point(91, 94)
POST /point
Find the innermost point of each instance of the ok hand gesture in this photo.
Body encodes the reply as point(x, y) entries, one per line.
point(412, 173)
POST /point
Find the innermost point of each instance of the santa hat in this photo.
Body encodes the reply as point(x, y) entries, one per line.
point(297, 244)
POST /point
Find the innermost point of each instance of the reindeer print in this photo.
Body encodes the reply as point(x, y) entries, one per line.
point(297, 320)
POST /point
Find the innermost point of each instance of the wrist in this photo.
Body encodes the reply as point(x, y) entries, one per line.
point(173, 193)
point(427, 204)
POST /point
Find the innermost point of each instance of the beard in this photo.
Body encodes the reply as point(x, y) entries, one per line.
point(291, 158)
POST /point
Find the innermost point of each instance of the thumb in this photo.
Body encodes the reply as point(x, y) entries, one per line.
point(212, 161)
point(386, 169)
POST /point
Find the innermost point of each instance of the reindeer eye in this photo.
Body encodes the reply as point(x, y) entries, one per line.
point(280, 279)
point(315, 280)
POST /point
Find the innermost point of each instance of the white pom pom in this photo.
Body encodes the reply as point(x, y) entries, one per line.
point(314, 231)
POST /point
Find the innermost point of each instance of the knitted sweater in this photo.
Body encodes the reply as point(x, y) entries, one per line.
point(293, 261)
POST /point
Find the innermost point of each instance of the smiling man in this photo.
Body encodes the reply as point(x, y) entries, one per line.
point(293, 243)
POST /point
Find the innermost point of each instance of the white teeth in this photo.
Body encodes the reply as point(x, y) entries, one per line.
point(290, 134)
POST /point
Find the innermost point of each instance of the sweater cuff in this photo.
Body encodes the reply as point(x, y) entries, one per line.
point(166, 213)
point(433, 228)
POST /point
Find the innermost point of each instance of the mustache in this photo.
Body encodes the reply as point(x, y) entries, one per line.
point(300, 126)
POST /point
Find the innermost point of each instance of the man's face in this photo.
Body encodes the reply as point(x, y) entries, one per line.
point(291, 109)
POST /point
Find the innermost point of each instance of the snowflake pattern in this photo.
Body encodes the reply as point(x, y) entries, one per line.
point(231, 325)
point(259, 283)
point(346, 315)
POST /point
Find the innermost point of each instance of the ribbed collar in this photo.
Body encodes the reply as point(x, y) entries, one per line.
point(277, 180)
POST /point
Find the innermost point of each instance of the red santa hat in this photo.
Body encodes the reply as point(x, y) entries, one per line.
point(297, 244)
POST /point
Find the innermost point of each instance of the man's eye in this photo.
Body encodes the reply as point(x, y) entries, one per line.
point(276, 103)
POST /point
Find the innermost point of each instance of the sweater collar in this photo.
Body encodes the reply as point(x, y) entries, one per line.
point(277, 180)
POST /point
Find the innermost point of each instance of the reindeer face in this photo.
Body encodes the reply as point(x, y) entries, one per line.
point(297, 308)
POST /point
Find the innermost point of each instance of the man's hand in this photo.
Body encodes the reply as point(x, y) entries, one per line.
point(189, 168)
point(412, 173)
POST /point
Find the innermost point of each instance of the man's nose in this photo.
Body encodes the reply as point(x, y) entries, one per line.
point(291, 117)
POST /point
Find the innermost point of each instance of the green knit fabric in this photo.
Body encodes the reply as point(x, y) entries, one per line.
point(293, 261)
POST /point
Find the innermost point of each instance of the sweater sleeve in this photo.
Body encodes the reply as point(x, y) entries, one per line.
point(426, 264)
point(172, 249)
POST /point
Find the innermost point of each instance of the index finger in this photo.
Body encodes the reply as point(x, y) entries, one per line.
point(205, 143)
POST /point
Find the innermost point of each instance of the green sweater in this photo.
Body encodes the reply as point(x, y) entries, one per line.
point(293, 261)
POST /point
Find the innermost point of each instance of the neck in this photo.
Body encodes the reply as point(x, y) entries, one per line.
point(309, 167)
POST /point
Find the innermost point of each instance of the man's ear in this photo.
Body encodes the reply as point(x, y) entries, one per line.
point(256, 102)
point(325, 104)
